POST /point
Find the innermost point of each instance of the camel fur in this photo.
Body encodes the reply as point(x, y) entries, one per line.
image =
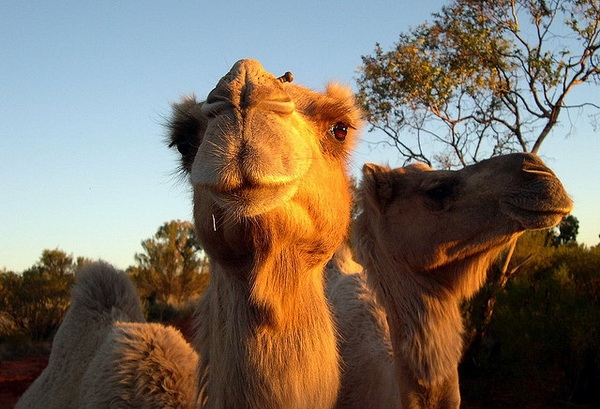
point(368, 379)
point(267, 161)
point(101, 296)
point(426, 240)
point(141, 365)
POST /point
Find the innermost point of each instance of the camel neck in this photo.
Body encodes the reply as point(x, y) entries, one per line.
point(425, 325)
point(271, 337)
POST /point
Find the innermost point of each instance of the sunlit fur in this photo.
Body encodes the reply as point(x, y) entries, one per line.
point(271, 205)
point(141, 365)
point(101, 296)
point(426, 239)
point(368, 378)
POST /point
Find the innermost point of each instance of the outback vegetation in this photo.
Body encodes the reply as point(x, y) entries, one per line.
point(171, 272)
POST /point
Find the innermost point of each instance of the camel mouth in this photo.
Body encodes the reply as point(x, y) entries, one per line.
point(540, 202)
point(535, 219)
point(250, 201)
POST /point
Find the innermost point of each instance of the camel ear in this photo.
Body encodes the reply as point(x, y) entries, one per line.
point(186, 130)
point(377, 185)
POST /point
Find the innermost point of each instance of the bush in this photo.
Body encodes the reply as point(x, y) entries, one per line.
point(548, 319)
point(34, 303)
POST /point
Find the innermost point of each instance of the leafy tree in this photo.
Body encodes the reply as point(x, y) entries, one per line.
point(171, 266)
point(567, 232)
point(37, 300)
point(485, 77)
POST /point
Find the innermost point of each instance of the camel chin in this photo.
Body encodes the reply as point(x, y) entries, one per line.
point(533, 220)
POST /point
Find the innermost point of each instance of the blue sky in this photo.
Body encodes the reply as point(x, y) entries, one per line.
point(86, 87)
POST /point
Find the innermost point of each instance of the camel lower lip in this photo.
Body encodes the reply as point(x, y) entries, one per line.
point(532, 219)
point(253, 201)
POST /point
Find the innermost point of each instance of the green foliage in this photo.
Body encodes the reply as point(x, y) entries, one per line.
point(172, 267)
point(34, 303)
point(171, 271)
point(567, 232)
point(483, 78)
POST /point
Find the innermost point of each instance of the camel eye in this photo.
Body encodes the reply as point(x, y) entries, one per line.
point(339, 131)
point(440, 192)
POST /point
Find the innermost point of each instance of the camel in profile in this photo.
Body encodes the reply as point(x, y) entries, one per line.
point(426, 240)
point(267, 160)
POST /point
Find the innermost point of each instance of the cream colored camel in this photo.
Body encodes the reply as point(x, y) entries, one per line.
point(426, 239)
point(105, 356)
point(101, 296)
point(141, 365)
point(267, 162)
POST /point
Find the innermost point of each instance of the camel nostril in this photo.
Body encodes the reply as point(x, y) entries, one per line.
point(280, 107)
point(540, 172)
point(533, 165)
point(537, 169)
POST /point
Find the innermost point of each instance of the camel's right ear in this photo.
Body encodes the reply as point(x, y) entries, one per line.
point(377, 185)
point(186, 129)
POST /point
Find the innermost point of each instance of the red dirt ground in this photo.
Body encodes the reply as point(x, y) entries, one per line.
point(478, 392)
point(17, 375)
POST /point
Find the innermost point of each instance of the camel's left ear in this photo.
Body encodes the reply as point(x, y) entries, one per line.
point(187, 126)
point(377, 185)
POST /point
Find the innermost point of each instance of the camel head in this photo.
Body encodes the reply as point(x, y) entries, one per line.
point(267, 162)
point(425, 219)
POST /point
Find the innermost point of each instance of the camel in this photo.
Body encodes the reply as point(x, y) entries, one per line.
point(267, 160)
point(105, 354)
point(100, 297)
point(426, 240)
